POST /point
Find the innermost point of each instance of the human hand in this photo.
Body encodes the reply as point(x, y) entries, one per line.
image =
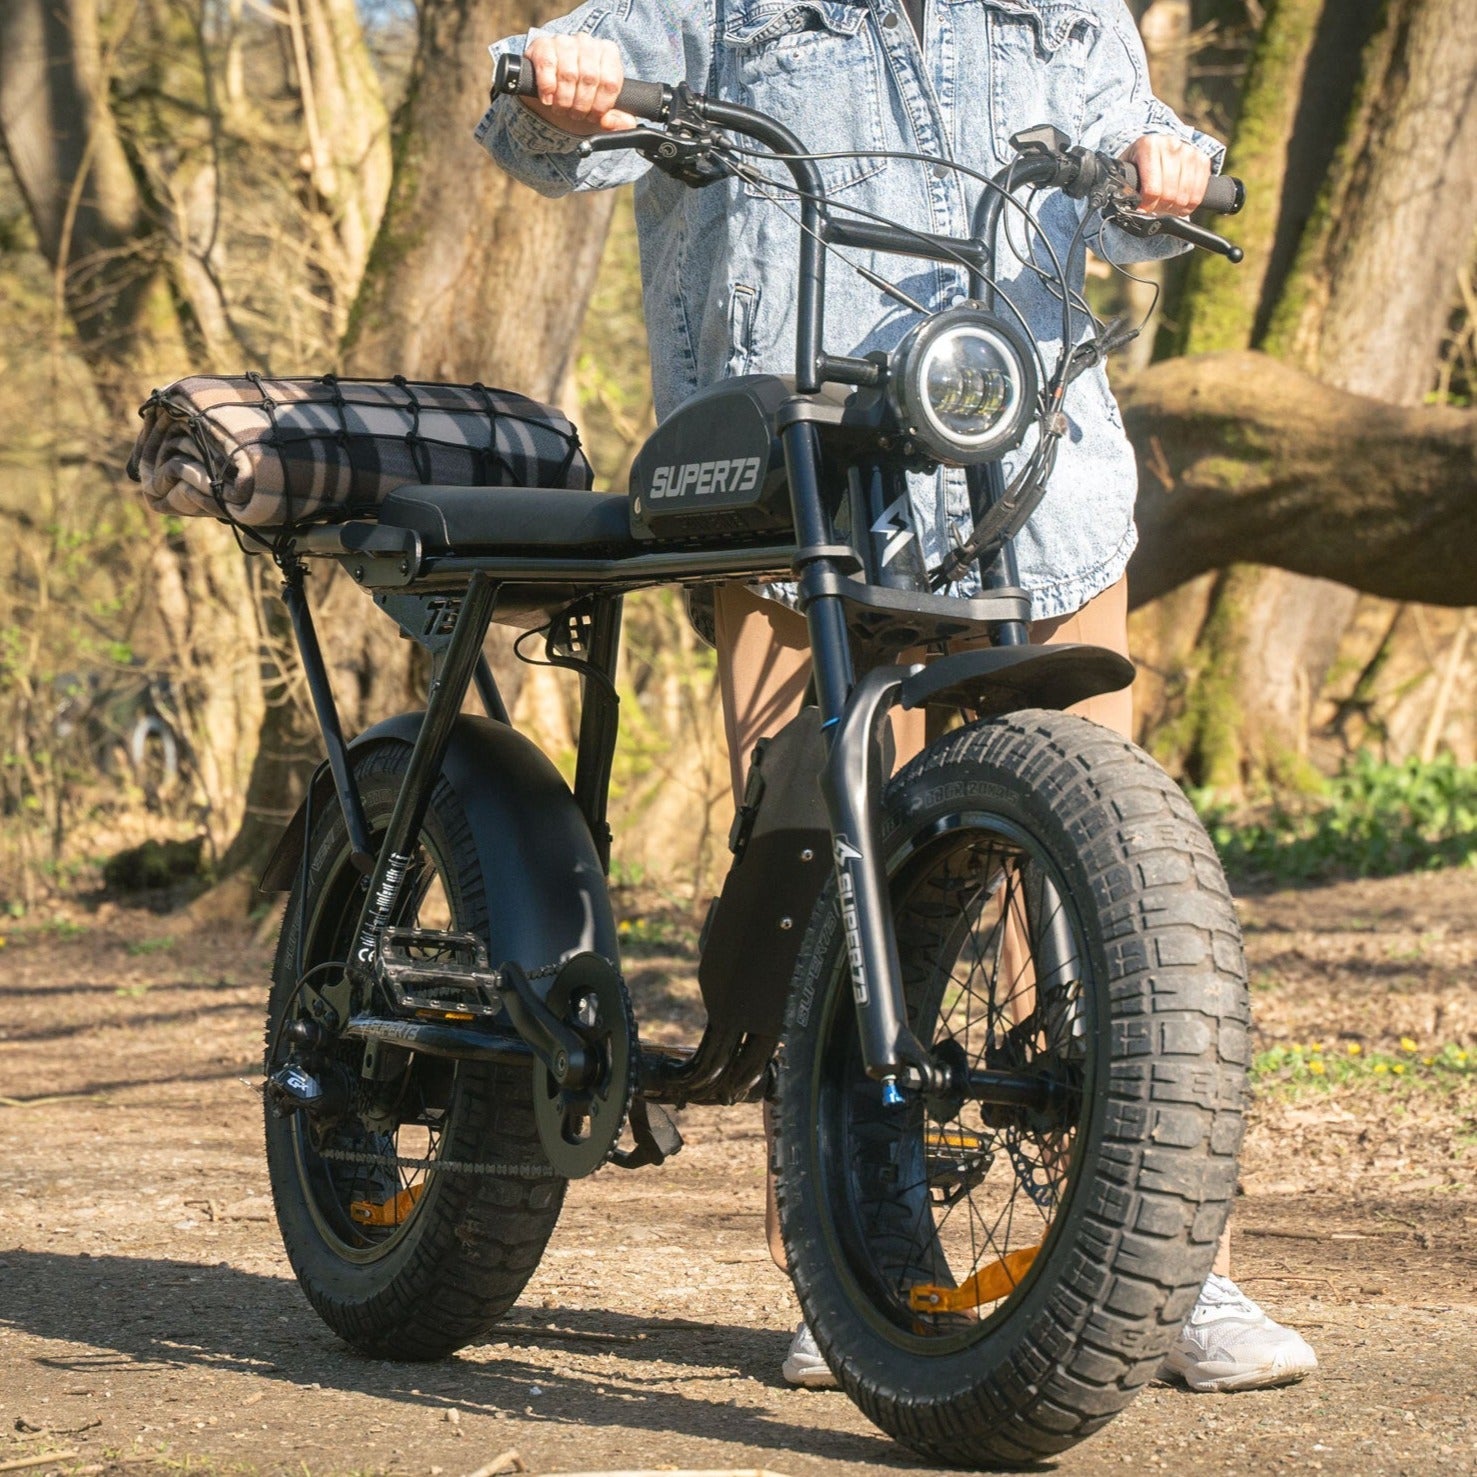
point(578, 79)
point(1173, 175)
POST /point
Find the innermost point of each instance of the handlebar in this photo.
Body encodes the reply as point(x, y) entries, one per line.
point(1225, 194)
point(649, 100)
point(689, 149)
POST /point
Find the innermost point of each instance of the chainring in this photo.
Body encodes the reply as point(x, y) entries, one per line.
point(579, 1126)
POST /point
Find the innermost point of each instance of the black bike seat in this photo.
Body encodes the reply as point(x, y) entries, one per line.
point(511, 520)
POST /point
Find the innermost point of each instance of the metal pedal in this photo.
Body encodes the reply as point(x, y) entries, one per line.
point(441, 975)
point(656, 1135)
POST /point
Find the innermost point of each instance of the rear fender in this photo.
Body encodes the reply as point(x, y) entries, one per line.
point(546, 894)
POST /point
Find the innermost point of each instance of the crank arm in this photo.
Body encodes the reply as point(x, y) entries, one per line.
point(560, 1049)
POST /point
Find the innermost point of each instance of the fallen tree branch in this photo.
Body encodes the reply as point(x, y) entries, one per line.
point(1250, 461)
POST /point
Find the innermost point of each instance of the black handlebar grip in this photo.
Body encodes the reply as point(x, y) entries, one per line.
point(1225, 194)
point(515, 78)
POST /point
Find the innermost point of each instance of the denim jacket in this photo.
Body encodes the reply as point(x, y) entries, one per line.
point(718, 263)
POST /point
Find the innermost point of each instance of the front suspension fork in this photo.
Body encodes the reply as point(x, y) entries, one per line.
point(852, 783)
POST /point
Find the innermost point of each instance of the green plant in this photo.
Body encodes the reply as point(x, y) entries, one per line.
point(139, 947)
point(1314, 1067)
point(1372, 819)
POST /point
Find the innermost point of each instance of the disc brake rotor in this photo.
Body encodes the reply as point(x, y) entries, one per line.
point(578, 1126)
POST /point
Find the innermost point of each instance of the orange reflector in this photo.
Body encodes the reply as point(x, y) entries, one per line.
point(956, 1141)
point(389, 1212)
point(987, 1285)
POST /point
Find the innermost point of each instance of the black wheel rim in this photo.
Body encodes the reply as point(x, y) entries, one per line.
point(930, 1195)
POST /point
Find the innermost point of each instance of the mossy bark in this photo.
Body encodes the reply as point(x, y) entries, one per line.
point(1352, 282)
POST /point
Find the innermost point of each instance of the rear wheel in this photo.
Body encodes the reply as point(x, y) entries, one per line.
point(403, 1260)
point(992, 1280)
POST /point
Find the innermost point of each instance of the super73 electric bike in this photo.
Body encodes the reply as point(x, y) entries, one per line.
point(998, 996)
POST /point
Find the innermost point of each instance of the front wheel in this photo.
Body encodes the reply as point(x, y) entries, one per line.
point(992, 1279)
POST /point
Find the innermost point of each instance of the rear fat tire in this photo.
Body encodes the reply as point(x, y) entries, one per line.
point(471, 1242)
point(1153, 1159)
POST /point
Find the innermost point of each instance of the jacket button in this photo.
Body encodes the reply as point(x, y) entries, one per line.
point(890, 19)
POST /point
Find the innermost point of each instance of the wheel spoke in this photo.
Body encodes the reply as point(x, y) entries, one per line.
point(970, 933)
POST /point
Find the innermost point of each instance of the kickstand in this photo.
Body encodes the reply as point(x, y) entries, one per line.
point(656, 1136)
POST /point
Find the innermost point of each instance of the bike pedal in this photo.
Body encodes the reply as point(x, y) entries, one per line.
point(440, 975)
point(656, 1135)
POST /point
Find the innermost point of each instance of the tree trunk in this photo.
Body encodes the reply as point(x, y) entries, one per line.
point(471, 277)
point(1376, 272)
point(89, 216)
point(1247, 460)
point(348, 163)
point(109, 260)
point(1335, 298)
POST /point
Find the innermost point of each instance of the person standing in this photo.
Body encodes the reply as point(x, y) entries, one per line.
point(856, 79)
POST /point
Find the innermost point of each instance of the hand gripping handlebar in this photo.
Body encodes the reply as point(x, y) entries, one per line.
point(514, 78)
point(1225, 194)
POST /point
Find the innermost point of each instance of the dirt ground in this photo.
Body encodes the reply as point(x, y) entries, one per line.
point(149, 1321)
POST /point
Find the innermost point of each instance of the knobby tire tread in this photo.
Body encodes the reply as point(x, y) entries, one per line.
point(1146, 1222)
point(483, 1235)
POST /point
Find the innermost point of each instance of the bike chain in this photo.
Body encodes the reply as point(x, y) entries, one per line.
point(453, 1166)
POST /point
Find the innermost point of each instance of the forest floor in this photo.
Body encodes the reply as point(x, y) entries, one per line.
point(149, 1321)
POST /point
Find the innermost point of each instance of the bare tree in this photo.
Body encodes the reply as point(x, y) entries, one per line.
point(472, 277)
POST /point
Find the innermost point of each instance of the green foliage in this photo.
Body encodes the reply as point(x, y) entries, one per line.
point(646, 934)
point(139, 948)
point(1373, 819)
point(1312, 1067)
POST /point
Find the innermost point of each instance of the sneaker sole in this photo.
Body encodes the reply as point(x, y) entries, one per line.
point(809, 1376)
point(1225, 1379)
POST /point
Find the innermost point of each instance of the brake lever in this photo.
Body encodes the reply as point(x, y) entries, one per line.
point(685, 148)
point(1146, 226)
point(639, 139)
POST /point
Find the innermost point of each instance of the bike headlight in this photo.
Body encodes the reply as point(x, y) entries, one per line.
point(963, 386)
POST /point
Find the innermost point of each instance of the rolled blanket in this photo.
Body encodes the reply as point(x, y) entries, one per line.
point(276, 453)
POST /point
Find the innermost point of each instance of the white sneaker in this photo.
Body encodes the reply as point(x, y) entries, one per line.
point(803, 1364)
point(1230, 1344)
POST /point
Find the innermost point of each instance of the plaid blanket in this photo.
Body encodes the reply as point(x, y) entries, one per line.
point(276, 453)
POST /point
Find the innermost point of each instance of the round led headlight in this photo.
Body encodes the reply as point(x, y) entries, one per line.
point(963, 386)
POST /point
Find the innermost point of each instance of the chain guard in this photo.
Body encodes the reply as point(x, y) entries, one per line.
point(580, 1126)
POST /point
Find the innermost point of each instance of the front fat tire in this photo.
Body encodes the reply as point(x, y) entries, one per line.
point(471, 1242)
point(1153, 1166)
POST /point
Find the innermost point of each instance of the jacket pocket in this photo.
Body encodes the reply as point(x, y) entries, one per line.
point(795, 60)
point(1037, 53)
point(743, 317)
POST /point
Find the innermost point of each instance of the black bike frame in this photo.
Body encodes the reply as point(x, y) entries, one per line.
point(852, 711)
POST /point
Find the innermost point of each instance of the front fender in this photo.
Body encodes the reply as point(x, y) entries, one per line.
point(546, 894)
point(1002, 679)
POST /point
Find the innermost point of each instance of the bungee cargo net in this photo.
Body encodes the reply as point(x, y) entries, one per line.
point(277, 454)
